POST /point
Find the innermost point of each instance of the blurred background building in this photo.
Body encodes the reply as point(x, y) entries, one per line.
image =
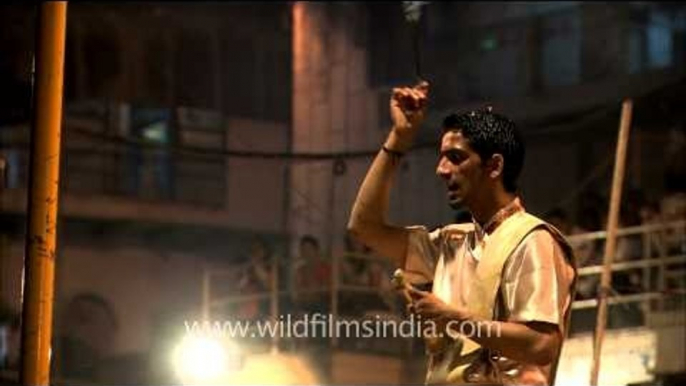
point(188, 177)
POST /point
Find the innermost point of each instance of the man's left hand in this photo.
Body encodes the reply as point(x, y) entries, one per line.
point(430, 307)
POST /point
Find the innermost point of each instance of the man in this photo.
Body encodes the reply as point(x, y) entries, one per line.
point(506, 272)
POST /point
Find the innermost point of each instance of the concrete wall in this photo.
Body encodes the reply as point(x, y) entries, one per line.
point(255, 187)
point(334, 110)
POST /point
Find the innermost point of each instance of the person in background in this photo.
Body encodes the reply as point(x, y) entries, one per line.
point(312, 277)
point(256, 279)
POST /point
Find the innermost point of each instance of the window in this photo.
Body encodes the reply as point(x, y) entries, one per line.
point(561, 49)
point(148, 166)
point(659, 39)
point(650, 41)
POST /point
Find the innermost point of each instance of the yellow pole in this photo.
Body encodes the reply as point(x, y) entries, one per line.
point(611, 242)
point(39, 267)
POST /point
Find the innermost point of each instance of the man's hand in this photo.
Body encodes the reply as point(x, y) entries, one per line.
point(430, 307)
point(531, 342)
point(408, 108)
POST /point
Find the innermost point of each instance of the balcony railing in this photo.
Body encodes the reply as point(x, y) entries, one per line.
point(97, 161)
point(661, 264)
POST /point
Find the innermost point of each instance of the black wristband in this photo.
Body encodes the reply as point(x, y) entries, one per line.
point(394, 153)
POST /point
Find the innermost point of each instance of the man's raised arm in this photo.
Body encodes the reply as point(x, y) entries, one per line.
point(367, 221)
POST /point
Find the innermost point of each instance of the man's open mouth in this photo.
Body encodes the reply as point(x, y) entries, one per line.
point(453, 191)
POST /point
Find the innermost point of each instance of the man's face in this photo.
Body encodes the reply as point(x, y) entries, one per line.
point(461, 169)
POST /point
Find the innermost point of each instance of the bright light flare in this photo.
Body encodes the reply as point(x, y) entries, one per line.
point(203, 360)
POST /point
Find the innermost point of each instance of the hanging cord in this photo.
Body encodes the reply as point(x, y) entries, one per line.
point(413, 15)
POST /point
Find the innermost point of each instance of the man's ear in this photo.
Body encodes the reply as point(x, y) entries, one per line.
point(496, 166)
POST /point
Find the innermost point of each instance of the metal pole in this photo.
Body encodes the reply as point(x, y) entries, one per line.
point(611, 241)
point(274, 299)
point(39, 267)
point(334, 285)
point(206, 295)
point(335, 288)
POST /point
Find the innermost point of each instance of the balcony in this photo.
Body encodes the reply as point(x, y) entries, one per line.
point(138, 175)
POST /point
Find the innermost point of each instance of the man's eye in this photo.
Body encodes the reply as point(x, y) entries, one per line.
point(454, 158)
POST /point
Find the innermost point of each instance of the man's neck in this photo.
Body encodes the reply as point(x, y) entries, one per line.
point(489, 207)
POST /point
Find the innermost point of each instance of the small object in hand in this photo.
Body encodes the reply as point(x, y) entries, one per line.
point(398, 279)
point(401, 284)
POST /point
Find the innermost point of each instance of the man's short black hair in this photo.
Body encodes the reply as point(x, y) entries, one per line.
point(490, 133)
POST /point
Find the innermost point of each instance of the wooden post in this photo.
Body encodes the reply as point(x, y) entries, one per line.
point(611, 241)
point(39, 267)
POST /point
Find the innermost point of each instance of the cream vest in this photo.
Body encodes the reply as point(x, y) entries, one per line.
point(452, 366)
